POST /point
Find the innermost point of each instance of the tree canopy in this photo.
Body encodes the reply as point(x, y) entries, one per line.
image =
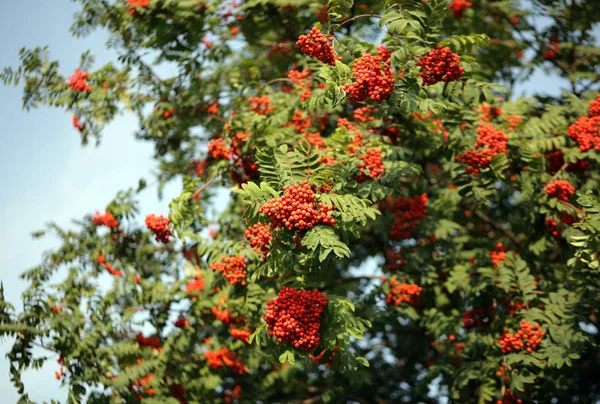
point(398, 226)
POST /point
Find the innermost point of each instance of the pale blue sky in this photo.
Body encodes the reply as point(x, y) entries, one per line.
point(46, 175)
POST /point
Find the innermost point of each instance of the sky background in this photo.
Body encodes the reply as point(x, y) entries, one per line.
point(45, 173)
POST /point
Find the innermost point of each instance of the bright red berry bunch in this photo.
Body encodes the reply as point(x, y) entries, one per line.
point(372, 161)
point(477, 318)
point(77, 125)
point(441, 64)
point(594, 107)
point(232, 268)
point(528, 338)
point(490, 142)
point(259, 237)
point(297, 209)
point(364, 114)
point(315, 139)
point(261, 105)
point(586, 132)
point(403, 292)
point(224, 357)
point(241, 335)
point(158, 226)
point(195, 285)
point(148, 342)
point(315, 45)
point(498, 255)
point(77, 81)
point(372, 78)
point(458, 7)
point(217, 150)
point(300, 121)
point(294, 317)
point(560, 189)
point(107, 219)
point(181, 322)
point(234, 394)
point(408, 213)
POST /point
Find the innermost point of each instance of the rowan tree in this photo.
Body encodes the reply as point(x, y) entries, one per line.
point(398, 228)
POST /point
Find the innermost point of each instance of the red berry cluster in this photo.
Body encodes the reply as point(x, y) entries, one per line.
point(586, 132)
point(107, 219)
point(560, 189)
point(552, 52)
point(259, 237)
point(440, 65)
point(195, 285)
point(168, 113)
point(200, 167)
point(158, 226)
point(364, 114)
point(458, 7)
point(408, 214)
point(315, 45)
point(300, 121)
point(297, 209)
point(294, 317)
point(138, 3)
point(594, 107)
point(111, 270)
point(490, 142)
point(372, 161)
point(232, 268)
point(77, 125)
point(234, 394)
point(315, 139)
point(403, 292)
point(225, 357)
point(477, 318)
point(373, 78)
point(241, 335)
point(498, 255)
point(261, 105)
point(181, 322)
point(528, 337)
point(514, 121)
point(395, 260)
point(556, 160)
point(490, 112)
point(77, 81)
point(217, 150)
point(178, 392)
point(148, 342)
point(509, 398)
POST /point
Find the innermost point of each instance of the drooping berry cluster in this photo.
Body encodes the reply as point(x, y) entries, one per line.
point(490, 142)
point(300, 121)
point(364, 114)
point(586, 132)
point(315, 139)
point(224, 356)
point(408, 214)
point(234, 394)
point(395, 260)
point(232, 268)
point(77, 81)
point(217, 150)
point(528, 338)
point(241, 335)
point(158, 226)
point(498, 255)
point(77, 125)
point(403, 292)
point(372, 77)
point(107, 219)
point(297, 209)
point(371, 161)
point(315, 45)
point(441, 64)
point(556, 160)
point(195, 285)
point(458, 7)
point(560, 189)
point(259, 237)
point(148, 342)
point(490, 112)
point(594, 107)
point(200, 167)
point(477, 318)
point(294, 317)
point(181, 322)
point(261, 105)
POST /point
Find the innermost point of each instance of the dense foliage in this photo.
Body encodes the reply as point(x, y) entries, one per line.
point(398, 228)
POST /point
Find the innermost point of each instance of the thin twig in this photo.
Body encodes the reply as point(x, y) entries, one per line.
point(271, 82)
point(196, 194)
point(489, 221)
point(36, 343)
point(357, 17)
